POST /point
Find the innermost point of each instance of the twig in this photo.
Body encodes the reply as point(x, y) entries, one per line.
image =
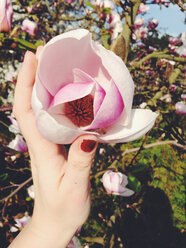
point(169, 142)
point(6, 199)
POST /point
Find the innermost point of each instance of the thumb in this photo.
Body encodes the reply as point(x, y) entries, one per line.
point(80, 158)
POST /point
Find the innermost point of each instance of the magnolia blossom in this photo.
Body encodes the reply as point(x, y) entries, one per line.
point(180, 108)
point(139, 33)
point(103, 3)
point(14, 127)
point(30, 191)
point(182, 50)
point(139, 22)
point(143, 8)
point(115, 183)
point(152, 49)
point(74, 243)
point(115, 24)
point(173, 87)
point(153, 23)
point(29, 26)
point(85, 91)
point(174, 41)
point(143, 105)
point(183, 96)
point(20, 223)
point(18, 144)
point(11, 76)
point(6, 13)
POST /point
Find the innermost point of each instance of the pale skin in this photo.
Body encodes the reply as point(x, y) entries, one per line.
point(61, 180)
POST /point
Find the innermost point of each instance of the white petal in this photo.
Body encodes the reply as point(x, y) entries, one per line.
point(142, 120)
point(54, 131)
point(127, 192)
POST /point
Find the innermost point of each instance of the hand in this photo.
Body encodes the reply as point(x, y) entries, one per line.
point(61, 181)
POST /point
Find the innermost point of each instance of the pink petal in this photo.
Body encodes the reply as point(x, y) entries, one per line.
point(126, 192)
point(121, 76)
point(64, 53)
point(73, 91)
point(41, 98)
point(111, 108)
point(81, 76)
point(142, 120)
point(56, 132)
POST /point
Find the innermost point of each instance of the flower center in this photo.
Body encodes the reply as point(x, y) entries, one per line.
point(80, 111)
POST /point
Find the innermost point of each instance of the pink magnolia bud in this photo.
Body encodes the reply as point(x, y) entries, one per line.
point(115, 183)
point(139, 22)
point(180, 108)
point(153, 23)
point(6, 13)
point(18, 144)
point(173, 87)
point(29, 26)
point(143, 8)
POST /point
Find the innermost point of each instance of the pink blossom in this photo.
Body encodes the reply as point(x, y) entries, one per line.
point(180, 108)
point(182, 49)
point(152, 49)
point(29, 26)
point(14, 127)
point(143, 8)
point(115, 24)
point(139, 33)
point(149, 72)
point(11, 76)
point(74, 243)
point(183, 96)
point(18, 144)
point(6, 13)
point(20, 223)
point(69, 1)
point(143, 105)
point(115, 183)
point(69, 79)
point(138, 22)
point(173, 87)
point(153, 23)
point(174, 41)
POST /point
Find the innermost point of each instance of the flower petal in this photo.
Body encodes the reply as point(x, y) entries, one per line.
point(55, 131)
point(64, 53)
point(121, 76)
point(73, 91)
point(126, 192)
point(111, 108)
point(142, 121)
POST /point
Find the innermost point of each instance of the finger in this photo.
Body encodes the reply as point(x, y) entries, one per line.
point(23, 91)
point(80, 158)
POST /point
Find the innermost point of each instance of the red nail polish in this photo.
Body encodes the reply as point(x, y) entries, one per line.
point(88, 145)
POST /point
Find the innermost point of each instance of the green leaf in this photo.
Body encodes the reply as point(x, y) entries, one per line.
point(134, 183)
point(4, 176)
point(89, 5)
point(24, 44)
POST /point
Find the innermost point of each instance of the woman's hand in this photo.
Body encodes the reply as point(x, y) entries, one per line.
point(61, 180)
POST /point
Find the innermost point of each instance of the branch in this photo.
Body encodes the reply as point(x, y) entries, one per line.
point(159, 55)
point(169, 142)
point(6, 199)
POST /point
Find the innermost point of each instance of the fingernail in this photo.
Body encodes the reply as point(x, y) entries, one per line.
point(88, 145)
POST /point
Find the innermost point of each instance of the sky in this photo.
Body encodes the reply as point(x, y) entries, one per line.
point(171, 19)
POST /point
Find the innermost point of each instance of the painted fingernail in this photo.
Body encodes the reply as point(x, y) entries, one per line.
point(88, 145)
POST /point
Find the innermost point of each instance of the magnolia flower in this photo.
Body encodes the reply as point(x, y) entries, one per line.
point(6, 13)
point(30, 191)
point(173, 40)
point(20, 223)
point(11, 76)
point(115, 24)
point(173, 87)
point(85, 91)
point(29, 26)
point(74, 243)
point(153, 23)
point(183, 96)
point(18, 144)
point(14, 127)
point(143, 105)
point(182, 50)
point(180, 108)
point(115, 183)
point(139, 33)
point(139, 22)
point(143, 8)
